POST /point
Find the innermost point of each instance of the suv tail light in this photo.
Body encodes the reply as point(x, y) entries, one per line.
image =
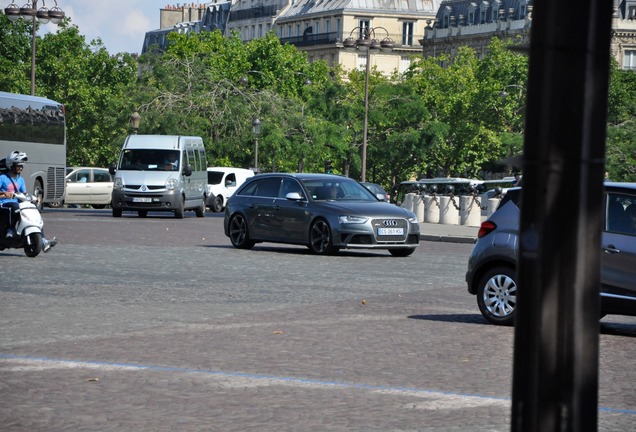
point(486, 228)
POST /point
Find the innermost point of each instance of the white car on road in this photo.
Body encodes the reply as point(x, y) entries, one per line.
point(222, 182)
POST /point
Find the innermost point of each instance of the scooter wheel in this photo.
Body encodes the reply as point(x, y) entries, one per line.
point(33, 244)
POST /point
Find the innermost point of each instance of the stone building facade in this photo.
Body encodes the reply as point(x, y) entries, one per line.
point(474, 23)
point(316, 26)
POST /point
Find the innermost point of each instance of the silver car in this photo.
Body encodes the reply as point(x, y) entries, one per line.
point(492, 264)
point(325, 212)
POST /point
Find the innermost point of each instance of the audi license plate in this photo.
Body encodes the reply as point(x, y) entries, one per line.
point(141, 200)
point(390, 231)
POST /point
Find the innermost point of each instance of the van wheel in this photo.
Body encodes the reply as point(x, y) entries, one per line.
point(142, 213)
point(217, 205)
point(200, 211)
point(179, 212)
point(116, 212)
point(497, 295)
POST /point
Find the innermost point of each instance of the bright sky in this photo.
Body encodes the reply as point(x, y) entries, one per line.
point(121, 24)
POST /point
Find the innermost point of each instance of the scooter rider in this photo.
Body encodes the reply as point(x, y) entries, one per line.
point(11, 183)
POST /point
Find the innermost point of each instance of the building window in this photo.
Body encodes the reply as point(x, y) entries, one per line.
point(327, 26)
point(364, 24)
point(407, 33)
point(253, 32)
point(629, 60)
point(297, 29)
point(260, 30)
point(361, 62)
point(405, 63)
point(317, 27)
point(338, 28)
point(289, 31)
point(496, 6)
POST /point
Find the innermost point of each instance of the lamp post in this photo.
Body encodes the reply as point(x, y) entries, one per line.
point(504, 93)
point(44, 15)
point(367, 43)
point(135, 119)
point(256, 130)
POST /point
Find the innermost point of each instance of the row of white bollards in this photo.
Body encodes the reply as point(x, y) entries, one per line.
point(451, 210)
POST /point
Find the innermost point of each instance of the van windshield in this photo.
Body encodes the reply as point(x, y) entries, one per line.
point(149, 160)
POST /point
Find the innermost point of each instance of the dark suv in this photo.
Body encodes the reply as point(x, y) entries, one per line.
point(492, 264)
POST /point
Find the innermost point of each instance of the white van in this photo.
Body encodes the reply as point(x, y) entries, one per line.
point(222, 182)
point(160, 173)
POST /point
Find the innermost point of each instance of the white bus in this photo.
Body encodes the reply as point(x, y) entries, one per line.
point(36, 126)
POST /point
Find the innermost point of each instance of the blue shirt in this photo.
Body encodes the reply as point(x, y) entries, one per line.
point(7, 185)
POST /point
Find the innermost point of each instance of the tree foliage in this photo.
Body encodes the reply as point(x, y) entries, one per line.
point(444, 116)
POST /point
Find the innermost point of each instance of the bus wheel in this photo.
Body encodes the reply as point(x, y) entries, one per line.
point(38, 191)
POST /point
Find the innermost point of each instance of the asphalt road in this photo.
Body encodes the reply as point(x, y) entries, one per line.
point(159, 324)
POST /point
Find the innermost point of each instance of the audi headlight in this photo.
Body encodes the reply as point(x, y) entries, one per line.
point(171, 184)
point(352, 219)
point(118, 183)
point(413, 219)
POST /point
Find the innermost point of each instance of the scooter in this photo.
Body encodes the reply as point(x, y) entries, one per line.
point(28, 229)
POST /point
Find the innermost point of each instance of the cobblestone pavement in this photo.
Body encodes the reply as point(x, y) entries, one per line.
point(209, 338)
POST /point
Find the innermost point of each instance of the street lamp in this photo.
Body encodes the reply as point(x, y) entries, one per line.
point(504, 93)
point(367, 43)
point(44, 15)
point(135, 119)
point(256, 130)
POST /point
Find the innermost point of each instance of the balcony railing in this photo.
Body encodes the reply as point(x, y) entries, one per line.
point(310, 39)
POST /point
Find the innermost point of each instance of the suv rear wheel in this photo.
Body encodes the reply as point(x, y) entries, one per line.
point(497, 295)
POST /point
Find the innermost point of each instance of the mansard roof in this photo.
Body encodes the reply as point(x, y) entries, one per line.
point(367, 7)
point(505, 9)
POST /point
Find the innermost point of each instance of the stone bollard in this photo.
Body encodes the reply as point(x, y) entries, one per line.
point(469, 210)
point(418, 207)
point(431, 209)
point(449, 214)
point(408, 201)
point(493, 203)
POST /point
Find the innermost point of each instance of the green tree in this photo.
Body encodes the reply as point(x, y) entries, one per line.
point(90, 83)
point(620, 150)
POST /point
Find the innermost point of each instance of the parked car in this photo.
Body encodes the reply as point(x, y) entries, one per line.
point(87, 186)
point(325, 212)
point(222, 183)
point(377, 190)
point(492, 264)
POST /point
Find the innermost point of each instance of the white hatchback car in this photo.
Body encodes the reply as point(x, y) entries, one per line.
point(86, 185)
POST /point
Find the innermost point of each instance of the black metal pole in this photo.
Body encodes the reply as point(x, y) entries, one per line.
point(555, 374)
point(33, 51)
